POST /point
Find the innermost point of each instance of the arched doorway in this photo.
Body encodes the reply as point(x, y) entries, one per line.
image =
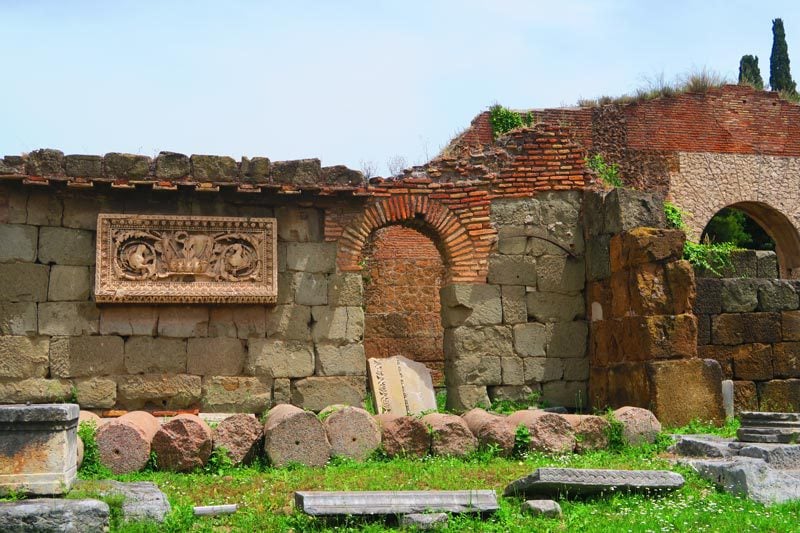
point(774, 224)
point(403, 272)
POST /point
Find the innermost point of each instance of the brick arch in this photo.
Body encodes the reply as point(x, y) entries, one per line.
point(463, 261)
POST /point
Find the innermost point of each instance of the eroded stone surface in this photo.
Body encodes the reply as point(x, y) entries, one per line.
point(575, 481)
point(51, 514)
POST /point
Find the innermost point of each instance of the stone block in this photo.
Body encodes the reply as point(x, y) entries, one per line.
point(18, 318)
point(745, 396)
point(471, 305)
point(38, 447)
point(316, 393)
point(709, 296)
point(464, 397)
point(242, 321)
point(34, 390)
point(254, 169)
point(84, 166)
point(560, 273)
point(298, 172)
point(55, 514)
point(542, 369)
point(786, 359)
point(319, 503)
point(337, 325)
point(469, 369)
point(554, 307)
point(515, 212)
point(598, 258)
point(279, 359)
point(423, 521)
point(571, 394)
point(43, 209)
point(751, 478)
point(514, 306)
point(311, 256)
point(653, 289)
point(172, 166)
point(489, 341)
point(69, 283)
point(703, 330)
point(776, 295)
point(512, 270)
point(512, 245)
point(594, 212)
point(299, 224)
point(628, 385)
point(341, 175)
point(642, 245)
point(345, 289)
point(742, 328)
point(781, 395)
point(743, 265)
point(68, 318)
point(215, 356)
point(182, 321)
point(214, 168)
point(281, 391)
point(560, 208)
point(530, 339)
point(311, 288)
point(626, 209)
point(512, 370)
point(544, 508)
point(13, 206)
point(790, 325)
point(567, 339)
point(575, 481)
point(236, 394)
point(153, 355)
point(66, 246)
point(96, 393)
point(754, 363)
point(513, 393)
point(290, 322)
point(347, 360)
point(128, 320)
point(725, 355)
point(81, 211)
point(767, 264)
point(45, 162)
point(23, 282)
point(576, 369)
point(176, 391)
point(698, 384)
point(18, 243)
point(86, 356)
point(24, 357)
point(126, 166)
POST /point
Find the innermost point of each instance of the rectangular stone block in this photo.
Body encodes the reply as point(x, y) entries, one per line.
point(338, 324)
point(311, 288)
point(512, 370)
point(34, 390)
point(81, 212)
point(703, 330)
point(401, 386)
point(781, 395)
point(24, 357)
point(177, 391)
point(18, 318)
point(567, 339)
point(642, 245)
point(576, 369)
point(86, 356)
point(512, 270)
point(767, 264)
point(698, 384)
point(318, 503)
point(297, 224)
point(790, 325)
point(153, 355)
point(279, 359)
point(347, 360)
point(18, 243)
point(487, 341)
point(346, 289)
point(741, 328)
point(128, 320)
point(628, 385)
point(292, 322)
point(316, 393)
point(242, 321)
point(236, 394)
point(311, 256)
point(543, 369)
point(65, 246)
point(68, 318)
point(554, 307)
point(38, 447)
point(584, 481)
point(570, 394)
point(653, 289)
point(23, 282)
point(709, 296)
point(96, 393)
point(220, 356)
point(560, 273)
point(13, 203)
point(745, 396)
point(776, 295)
point(626, 209)
point(69, 283)
point(515, 310)
point(754, 363)
point(515, 211)
point(84, 166)
point(724, 355)
point(44, 209)
point(182, 321)
point(786, 359)
point(598, 258)
point(471, 305)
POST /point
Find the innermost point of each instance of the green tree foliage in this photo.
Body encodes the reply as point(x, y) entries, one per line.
point(749, 73)
point(734, 226)
point(780, 77)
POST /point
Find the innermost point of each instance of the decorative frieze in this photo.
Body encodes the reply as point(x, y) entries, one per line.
point(179, 259)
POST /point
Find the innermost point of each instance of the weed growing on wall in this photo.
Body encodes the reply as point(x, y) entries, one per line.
point(504, 120)
point(711, 256)
point(91, 467)
point(608, 173)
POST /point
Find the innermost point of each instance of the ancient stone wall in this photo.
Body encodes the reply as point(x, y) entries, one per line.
point(752, 327)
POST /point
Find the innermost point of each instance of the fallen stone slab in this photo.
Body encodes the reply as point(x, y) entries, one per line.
point(38, 448)
point(142, 500)
point(183, 444)
point(749, 477)
point(581, 482)
point(450, 435)
point(292, 435)
point(124, 444)
point(545, 508)
point(351, 431)
point(424, 521)
point(54, 515)
point(403, 435)
point(702, 446)
point(322, 503)
point(241, 435)
point(786, 456)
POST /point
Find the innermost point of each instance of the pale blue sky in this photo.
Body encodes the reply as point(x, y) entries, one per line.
point(343, 81)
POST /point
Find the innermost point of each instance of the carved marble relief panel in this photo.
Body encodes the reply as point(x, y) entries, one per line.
point(179, 259)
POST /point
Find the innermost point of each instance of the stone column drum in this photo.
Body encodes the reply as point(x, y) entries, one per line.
point(38, 448)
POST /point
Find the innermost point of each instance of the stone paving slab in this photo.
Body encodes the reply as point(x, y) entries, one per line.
point(749, 477)
point(576, 481)
point(54, 515)
point(702, 446)
point(143, 499)
point(323, 503)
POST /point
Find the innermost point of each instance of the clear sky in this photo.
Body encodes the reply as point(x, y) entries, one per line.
point(345, 81)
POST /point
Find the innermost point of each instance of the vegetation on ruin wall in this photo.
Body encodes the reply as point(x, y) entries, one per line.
point(711, 256)
point(607, 172)
point(504, 120)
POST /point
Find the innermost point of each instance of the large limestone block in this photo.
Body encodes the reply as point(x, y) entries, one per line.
point(450, 435)
point(84, 166)
point(512, 270)
point(560, 273)
point(68, 318)
point(745, 328)
point(530, 339)
point(515, 310)
point(471, 305)
point(346, 289)
point(241, 436)
point(567, 339)
point(463, 397)
point(151, 355)
point(311, 288)
point(34, 390)
point(86, 356)
point(570, 394)
point(279, 359)
point(515, 211)
point(643, 245)
point(24, 357)
point(555, 307)
point(18, 243)
point(403, 436)
point(296, 224)
point(698, 384)
point(338, 324)
point(18, 318)
point(626, 209)
point(351, 431)
point(124, 444)
point(491, 341)
point(298, 172)
point(316, 393)
point(69, 283)
point(164, 391)
point(128, 320)
point(220, 356)
point(347, 360)
point(292, 435)
point(182, 321)
point(44, 209)
point(236, 394)
point(66, 246)
point(183, 444)
point(23, 282)
point(291, 322)
point(96, 393)
point(130, 166)
point(213, 168)
point(242, 321)
point(311, 256)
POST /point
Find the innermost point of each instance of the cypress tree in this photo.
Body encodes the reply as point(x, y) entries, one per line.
point(780, 78)
point(749, 73)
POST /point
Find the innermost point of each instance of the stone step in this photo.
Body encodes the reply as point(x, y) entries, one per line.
point(329, 503)
point(765, 416)
point(576, 481)
point(775, 435)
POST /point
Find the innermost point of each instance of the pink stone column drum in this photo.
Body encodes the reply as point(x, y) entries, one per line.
point(124, 443)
